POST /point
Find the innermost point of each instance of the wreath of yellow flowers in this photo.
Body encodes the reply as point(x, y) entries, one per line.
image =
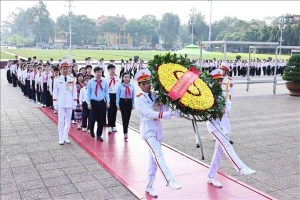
point(198, 96)
point(202, 100)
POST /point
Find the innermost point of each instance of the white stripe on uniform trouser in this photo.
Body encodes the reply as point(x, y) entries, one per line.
point(64, 123)
point(156, 159)
point(223, 146)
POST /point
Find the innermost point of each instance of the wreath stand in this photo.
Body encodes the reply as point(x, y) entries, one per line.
point(194, 120)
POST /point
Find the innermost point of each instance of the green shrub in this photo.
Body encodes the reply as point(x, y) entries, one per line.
point(292, 71)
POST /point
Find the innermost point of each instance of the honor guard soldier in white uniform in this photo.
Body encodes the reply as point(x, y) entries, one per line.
point(64, 101)
point(227, 81)
point(220, 129)
point(151, 130)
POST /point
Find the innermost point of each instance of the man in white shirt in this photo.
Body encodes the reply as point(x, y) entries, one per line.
point(113, 84)
point(64, 101)
point(151, 131)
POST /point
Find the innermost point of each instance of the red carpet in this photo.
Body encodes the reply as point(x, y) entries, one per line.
point(128, 162)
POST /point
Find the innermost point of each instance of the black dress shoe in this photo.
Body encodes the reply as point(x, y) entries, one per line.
point(100, 139)
point(92, 135)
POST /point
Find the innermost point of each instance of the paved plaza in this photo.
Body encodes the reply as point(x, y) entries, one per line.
point(33, 165)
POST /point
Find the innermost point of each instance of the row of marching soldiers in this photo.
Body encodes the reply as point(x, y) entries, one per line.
point(97, 98)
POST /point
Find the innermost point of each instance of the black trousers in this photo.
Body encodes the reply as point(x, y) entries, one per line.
point(269, 70)
point(33, 92)
point(238, 70)
point(98, 114)
point(85, 115)
point(19, 84)
point(38, 93)
point(46, 95)
point(234, 71)
point(14, 80)
point(112, 111)
point(273, 70)
point(27, 86)
point(125, 107)
point(23, 89)
point(121, 72)
point(8, 76)
point(264, 71)
point(258, 71)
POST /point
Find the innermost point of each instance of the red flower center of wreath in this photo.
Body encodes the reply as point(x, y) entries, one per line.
point(188, 91)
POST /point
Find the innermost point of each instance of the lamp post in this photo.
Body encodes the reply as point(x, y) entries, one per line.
point(70, 29)
point(281, 26)
point(192, 22)
point(209, 30)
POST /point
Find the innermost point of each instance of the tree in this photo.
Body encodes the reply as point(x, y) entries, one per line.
point(83, 29)
point(183, 34)
point(149, 25)
point(108, 27)
point(43, 24)
point(135, 29)
point(154, 39)
point(169, 26)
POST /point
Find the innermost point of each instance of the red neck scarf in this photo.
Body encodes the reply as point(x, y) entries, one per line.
point(127, 92)
point(98, 84)
point(112, 81)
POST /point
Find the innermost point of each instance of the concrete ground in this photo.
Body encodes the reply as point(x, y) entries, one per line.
point(33, 165)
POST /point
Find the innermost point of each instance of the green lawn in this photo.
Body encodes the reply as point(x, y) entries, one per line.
point(4, 55)
point(117, 54)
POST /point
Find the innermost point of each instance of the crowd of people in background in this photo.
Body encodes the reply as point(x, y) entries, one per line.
point(36, 79)
point(257, 67)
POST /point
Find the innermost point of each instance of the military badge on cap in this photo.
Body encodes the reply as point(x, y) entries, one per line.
point(64, 63)
point(217, 73)
point(142, 75)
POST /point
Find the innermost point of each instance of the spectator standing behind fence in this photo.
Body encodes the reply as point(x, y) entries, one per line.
point(125, 101)
point(113, 83)
point(97, 100)
point(84, 106)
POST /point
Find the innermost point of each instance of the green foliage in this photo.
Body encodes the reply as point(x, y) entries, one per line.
point(292, 71)
point(83, 29)
point(238, 57)
point(169, 26)
point(215, 112)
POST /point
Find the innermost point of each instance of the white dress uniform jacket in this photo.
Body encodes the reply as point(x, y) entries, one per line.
point(222, 124)
point(151, 113)
point(64, 92)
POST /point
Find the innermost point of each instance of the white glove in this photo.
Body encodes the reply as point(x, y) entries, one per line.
point(56, 107)
point(176, 113)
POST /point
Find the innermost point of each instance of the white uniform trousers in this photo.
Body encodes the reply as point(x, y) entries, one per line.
point(223, 146)
point(156, 159)
point(64, 123)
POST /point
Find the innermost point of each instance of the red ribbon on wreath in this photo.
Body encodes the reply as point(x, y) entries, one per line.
point(185, 81)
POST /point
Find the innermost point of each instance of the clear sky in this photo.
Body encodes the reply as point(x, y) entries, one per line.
point(245, 10)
